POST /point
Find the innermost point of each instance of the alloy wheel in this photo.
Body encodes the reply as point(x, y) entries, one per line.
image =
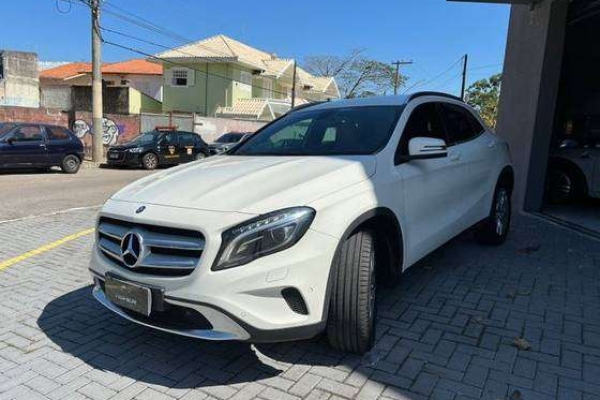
point(502, 211)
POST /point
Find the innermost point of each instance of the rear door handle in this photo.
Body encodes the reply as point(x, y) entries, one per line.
point(492, 144)
point(454, 156)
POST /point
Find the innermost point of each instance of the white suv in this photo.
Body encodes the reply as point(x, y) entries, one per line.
point(288, 234)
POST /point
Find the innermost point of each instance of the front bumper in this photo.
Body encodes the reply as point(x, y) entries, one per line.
point(243, 303)
point(124, 158)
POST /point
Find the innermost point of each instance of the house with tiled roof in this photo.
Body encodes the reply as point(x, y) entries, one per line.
point(141, 81)
point(223, 77)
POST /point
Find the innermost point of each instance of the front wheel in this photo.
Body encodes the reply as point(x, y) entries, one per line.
point(352, 312)
point(200, 156)
point(494, 229)
point(70, 164)
point(150, 161)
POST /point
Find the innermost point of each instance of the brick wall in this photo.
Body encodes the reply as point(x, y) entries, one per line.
point(25, 114)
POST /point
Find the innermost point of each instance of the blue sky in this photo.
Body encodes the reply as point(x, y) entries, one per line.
point(432, 33)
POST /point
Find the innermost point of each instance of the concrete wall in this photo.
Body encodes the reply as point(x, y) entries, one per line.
point(529, 92)
point(211, 128)
point(19, 79)
point(150, 85)
point(58, 97)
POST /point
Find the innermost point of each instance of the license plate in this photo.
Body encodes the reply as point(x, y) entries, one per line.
point(113, 156)
point(129, 295)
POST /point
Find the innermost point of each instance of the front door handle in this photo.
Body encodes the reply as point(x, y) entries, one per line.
point(492, 144)
point(454, 157)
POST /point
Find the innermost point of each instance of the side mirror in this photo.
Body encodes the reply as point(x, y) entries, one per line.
point(10, 140)
point(426, 148)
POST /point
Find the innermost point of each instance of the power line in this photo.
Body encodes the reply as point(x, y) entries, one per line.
point(439, 75)
point(147, 21)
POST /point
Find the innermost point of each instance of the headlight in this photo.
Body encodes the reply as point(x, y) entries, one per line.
point(266, 234)
point(136, 150)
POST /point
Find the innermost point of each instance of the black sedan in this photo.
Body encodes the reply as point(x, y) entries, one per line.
point(157, 148)
point(26, 145)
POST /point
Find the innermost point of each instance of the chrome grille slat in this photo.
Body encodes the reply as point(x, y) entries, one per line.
point(166, 251)
point(114, 231)
point(162, 261)
point(110, 248)
point(154, 239)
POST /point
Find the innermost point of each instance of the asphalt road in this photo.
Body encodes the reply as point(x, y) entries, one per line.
point(27, 193)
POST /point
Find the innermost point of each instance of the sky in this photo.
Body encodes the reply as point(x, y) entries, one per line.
point(434, 34)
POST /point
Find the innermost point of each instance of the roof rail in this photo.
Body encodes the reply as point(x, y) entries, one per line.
point(441, 94)
point(305, 105)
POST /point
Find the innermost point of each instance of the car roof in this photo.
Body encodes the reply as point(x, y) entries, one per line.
point(401, 100)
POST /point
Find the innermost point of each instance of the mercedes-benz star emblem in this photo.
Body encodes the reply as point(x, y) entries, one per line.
point(140, 209)
point(132, 249)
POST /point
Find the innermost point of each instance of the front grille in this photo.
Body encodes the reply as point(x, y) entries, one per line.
point(165, 251)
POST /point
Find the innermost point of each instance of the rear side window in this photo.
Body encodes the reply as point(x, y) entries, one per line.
point(187, 139)
point(57, 133)
point(461, 125)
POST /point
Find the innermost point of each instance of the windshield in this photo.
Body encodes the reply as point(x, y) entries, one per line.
point(4, 128)
point(230, 138)
point(145, 138)
point(330, 131)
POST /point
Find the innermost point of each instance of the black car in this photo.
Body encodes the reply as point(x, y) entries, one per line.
point(227, 141)
point(155, 148)
point(25, 145)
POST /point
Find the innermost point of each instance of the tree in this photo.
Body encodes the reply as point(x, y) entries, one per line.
point(484, 96)
point(355, 74)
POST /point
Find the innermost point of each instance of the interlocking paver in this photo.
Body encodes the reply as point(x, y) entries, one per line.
point(445, 333)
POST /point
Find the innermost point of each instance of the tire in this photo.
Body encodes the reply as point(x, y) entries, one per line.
point(70, 164)
point(565, 185)
point(494, 229)
point(149, 161)
point(200, 156)
point(352, 311)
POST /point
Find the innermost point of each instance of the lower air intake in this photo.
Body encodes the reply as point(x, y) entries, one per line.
point(294, 300)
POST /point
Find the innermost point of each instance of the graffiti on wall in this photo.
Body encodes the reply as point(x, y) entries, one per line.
point(110, 130)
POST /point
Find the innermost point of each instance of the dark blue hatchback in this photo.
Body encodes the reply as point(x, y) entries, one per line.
point(25, 145)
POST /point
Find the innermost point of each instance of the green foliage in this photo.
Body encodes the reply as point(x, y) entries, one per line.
point(484, 96)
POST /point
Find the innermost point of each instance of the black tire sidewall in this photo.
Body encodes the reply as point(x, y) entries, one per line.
point(352, 308)
point(66, 168)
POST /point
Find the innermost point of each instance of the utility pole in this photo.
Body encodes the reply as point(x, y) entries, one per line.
point(294, 86)
point(397, 76)
point(464, 76)
point(97, 112)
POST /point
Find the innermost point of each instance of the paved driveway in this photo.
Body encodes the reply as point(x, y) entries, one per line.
point(446, 332)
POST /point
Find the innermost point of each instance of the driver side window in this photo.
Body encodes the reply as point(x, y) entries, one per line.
point(424, 121)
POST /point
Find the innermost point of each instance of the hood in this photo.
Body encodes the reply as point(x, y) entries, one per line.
point(249, 184)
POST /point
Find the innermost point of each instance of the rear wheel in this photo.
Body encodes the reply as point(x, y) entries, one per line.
point(494, 229)
point(565, 184)
point(352, 308)
point(200, 156)
point(70, 164)
point(150, 161)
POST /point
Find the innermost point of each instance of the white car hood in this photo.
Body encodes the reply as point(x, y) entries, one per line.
point(249, 184)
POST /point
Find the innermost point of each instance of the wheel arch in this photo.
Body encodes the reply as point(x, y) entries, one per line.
point(381, 219)
point(507, 175)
